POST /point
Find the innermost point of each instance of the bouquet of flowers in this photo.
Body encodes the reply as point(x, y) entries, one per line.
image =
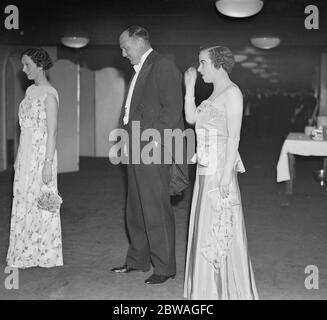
point(49, 200)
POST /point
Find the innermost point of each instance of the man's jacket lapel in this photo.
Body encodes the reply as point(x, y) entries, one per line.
point(140, 82)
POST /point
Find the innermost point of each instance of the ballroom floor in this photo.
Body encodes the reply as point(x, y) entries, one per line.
point(285, 233)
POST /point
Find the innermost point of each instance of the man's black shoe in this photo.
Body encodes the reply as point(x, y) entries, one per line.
point(157, 279)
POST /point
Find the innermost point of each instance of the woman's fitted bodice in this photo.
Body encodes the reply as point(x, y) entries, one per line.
point(212, 135)
point(32, 110)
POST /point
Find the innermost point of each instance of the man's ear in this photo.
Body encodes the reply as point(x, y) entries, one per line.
point(139, 42)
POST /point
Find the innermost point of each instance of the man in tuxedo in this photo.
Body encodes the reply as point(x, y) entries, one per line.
point(154, 100)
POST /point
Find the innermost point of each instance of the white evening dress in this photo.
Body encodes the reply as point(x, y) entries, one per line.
point(35, 234)
point(217, 264)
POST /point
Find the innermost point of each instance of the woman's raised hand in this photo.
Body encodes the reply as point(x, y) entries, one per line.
point(190, 77)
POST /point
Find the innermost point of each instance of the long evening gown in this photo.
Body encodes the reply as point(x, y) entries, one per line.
point(35, 234)
point(217, 264)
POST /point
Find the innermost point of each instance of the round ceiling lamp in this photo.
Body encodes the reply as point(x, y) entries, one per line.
point(265, 42)
point(250, 50)
point(265, 75)
point(240, 57)
point(259, 59)
point(239, 8)
point(75, 42)
point(258, 70)
point(249, 65)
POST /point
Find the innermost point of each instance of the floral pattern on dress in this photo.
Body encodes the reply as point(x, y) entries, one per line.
point(35, 234)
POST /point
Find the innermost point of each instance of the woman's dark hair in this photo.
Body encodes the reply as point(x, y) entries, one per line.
point(39, 56)
point(220, 56)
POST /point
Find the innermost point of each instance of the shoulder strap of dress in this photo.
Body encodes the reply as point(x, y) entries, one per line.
point(221, 92)
point(54, 92)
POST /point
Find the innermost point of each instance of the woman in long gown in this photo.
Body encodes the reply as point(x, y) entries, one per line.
point(217, 264)
point(35, 234)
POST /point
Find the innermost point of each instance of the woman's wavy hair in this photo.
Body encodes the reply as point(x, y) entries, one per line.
point(221, 57)
point(39, 56)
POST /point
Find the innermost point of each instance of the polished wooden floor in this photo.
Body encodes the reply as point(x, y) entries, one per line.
point(285, 233)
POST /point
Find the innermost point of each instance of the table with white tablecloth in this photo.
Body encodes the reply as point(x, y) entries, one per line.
point(297, 144)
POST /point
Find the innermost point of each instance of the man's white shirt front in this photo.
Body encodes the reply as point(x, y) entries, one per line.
point(137, 69)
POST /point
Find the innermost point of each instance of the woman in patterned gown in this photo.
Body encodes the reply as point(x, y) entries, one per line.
point(35, 234)
point(217, 264)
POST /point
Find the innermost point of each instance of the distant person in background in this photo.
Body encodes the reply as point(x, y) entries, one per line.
point(303, 112)
point(257, 114)
point(246, 125)
point(35, 231)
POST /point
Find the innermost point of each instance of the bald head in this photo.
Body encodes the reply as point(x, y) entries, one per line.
point(134, 42)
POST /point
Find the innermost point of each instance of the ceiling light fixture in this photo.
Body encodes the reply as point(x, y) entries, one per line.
point(259, 59)
point(75, 42)
point(240, 57)
point(239, 8)
point(265, 42)
point(265, 75)
point(258, 70)
point(249, 65)
point(250, 50)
